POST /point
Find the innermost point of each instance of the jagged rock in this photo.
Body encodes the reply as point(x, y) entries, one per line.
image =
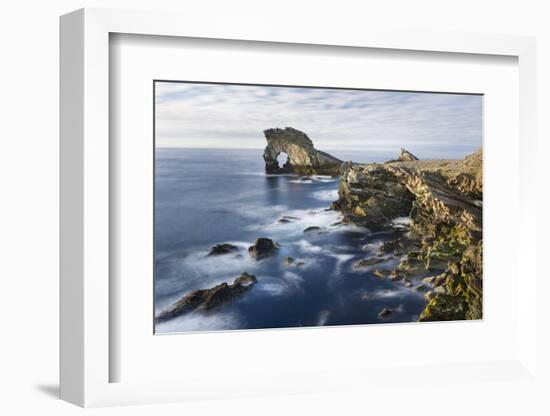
point(364, 263)
point(303, 158)
point(443, 199)
point(291, 261)
point(385, 313)
point(429, 295)
point(396, 274)
point(285, 219)
point(380, 273)
point(406, 156)
point(263, 247)
point(444, 308)
point(208, 299)
point(429, 280)
point(372, 195)
point(224, 248)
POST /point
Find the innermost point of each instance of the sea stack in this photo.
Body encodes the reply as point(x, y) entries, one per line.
point(303, 158)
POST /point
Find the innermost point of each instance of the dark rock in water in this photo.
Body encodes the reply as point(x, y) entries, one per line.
point(396, 274)
point(312, 228)
point(381, 273)
point(224, 248)
point(263, 247)
point(364, 263)
point(291, 261)
point(385, 313)
point(303, 158)
point(287, 218)
point(207, 299)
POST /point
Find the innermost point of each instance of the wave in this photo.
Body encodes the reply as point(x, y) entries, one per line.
point(314, 179)
point(328, 195)
point(289, 283)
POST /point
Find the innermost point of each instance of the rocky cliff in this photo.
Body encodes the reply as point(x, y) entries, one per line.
point(303, 158)
point(443, 199)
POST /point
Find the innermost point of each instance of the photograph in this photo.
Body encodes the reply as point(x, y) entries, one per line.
point(296, 206)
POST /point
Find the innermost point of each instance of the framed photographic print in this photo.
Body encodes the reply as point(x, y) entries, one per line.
point(289, 235)
point(279, 213)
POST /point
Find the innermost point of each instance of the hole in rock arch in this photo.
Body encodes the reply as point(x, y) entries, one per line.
point(282, 158)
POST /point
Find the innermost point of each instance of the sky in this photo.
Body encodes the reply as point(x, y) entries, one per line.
point(337, 120)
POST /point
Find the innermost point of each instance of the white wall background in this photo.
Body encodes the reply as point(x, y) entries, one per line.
point(29, 184)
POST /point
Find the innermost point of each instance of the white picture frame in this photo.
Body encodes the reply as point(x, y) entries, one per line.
point(85, 207)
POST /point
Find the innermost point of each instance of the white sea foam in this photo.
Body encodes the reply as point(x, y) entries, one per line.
point(299, 220)
point(205, 271)
point(340, 260)
point(401, 222)
point(287, 284)
point(326, 195)
point(198, 321)
point(384, 294)
point(314, 179)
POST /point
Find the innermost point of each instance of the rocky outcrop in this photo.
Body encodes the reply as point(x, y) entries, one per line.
point(303, 158)
point(443, 199)
point(224, 248)
point(208, 299)
point(404, 156)
point(263, 247)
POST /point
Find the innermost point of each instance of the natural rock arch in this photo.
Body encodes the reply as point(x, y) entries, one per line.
point(303, 158)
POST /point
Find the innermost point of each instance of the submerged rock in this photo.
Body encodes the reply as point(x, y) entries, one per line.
point(381, 273)
point(291, 261)
point(208, 299)
point(312, 228)
point(285, 219)
point(364, 263)
point(303, 158)
point(385, 313)
point(263, 247)
point(224, 248)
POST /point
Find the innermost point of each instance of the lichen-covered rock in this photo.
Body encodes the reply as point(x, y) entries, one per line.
point(208, 299)
point(263, 247)
point(444, 308)
point(303, 158)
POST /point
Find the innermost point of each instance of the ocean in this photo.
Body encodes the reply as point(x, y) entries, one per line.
point(205, 197)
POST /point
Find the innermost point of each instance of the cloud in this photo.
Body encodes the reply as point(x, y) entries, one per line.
point(234, 116)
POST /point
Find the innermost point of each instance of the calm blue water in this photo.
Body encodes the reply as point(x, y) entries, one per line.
point(206, 197)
